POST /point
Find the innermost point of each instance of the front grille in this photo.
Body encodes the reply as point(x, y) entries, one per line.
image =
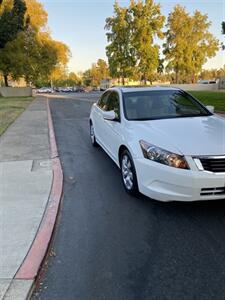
point(215, 165)
point(213, 191)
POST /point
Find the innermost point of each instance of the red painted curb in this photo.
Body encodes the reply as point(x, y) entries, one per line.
point(30, 266)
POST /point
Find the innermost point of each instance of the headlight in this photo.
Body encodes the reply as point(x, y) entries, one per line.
point(163, 156)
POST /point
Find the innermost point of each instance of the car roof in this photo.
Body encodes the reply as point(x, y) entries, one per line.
point(144, 89)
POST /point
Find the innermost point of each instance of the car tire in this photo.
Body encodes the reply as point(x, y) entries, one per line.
point(128, 173)
point(92, 135)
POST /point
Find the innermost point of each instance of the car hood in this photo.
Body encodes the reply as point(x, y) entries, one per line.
point(187, 136)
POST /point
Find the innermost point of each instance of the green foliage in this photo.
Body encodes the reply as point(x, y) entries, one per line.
point(223, 32)
point(62, 79)
point(102, 69)
point(30, 53)
point(131, 50)
point(216, 99)
point(73, 79)
point(213, 73)
point(86, 78)
point(146, 24)
point(119, 51)
point(28, 56)
point(188, 43)
point(98, 72)
point(37, 14)
point(11, 22)
point(223, 27)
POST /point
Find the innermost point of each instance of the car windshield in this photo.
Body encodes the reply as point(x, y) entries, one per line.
point(151, 105)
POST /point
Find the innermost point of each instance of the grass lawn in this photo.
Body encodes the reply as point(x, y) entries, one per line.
point(216, 99)
point(10, 109)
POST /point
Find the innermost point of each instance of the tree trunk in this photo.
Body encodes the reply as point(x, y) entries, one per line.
point(176, 77)
point(6, 80)
point(145, 80)
point(123, 80)
point(177, 74)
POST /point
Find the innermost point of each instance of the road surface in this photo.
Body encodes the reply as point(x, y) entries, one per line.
point(111, 246)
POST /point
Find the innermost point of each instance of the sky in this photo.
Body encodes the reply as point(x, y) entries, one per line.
point(80, 24)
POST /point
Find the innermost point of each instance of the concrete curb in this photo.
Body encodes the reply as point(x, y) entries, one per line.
point(31, 265)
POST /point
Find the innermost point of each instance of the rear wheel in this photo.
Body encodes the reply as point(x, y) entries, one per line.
point(128, 173)
point(92, 135)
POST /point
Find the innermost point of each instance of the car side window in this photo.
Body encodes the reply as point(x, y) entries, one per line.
point(113, 103)
point(102, 103)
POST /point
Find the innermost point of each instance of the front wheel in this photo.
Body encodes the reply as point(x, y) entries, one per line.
point(128, 173)
point(92, 136)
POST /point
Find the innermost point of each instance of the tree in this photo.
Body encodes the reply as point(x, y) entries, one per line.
point(119, 50)
point(34, 10)
point(160, 68)
point(86, 78)
point(33, 54)
point(37, 14)
point(59, 72)
point(146, 24)
point(223, 27)
point(73, 79)
point(103, 69)
point(5, 5)
point(28, 57)
point(11, 22)
point(223, 32)
point(188, 43)
point(58, 75)
point(97, 72)
point(212, 73)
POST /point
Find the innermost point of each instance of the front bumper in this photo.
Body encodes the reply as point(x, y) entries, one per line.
point(164, 183)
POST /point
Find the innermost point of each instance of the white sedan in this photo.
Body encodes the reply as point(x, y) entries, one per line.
point(167, 145)
point(45, 90)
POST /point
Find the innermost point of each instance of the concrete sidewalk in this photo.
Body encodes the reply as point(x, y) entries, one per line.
point(25, 184)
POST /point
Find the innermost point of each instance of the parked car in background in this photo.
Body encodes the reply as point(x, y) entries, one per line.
point(58, 89)
point(64, 90)
point(45, 90)
point(80, 90)
point(67, 90)
point(96, 89)
point(168, 145)
point(207, 82)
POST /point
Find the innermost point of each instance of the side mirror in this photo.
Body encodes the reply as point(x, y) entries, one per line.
point(109, 115)
point(211, 108)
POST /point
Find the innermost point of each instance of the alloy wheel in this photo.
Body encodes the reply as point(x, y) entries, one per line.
point(127, 172)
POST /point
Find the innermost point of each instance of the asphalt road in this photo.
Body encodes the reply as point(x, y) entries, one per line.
point(111, 246)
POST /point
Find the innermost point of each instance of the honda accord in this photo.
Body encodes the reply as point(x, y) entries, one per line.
point(167, 144)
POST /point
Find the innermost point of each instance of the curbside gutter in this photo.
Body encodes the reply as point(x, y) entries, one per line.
point(31, 264)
